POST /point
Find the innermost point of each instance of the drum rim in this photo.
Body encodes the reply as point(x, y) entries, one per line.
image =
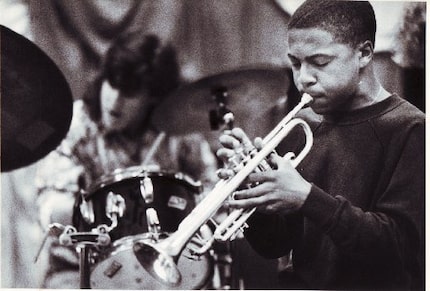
point(133, 172)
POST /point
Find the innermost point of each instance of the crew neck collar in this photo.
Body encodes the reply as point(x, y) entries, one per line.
point(365, 113)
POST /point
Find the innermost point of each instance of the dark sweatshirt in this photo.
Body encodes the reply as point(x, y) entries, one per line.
point(362, 225)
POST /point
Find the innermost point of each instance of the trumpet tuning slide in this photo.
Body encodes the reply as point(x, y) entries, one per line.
point(159, 265)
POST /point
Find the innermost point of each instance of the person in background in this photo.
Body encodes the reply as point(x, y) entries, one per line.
point(352, 212)
point(409, 51)
point(111, 130)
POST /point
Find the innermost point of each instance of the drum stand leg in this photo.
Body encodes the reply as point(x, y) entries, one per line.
point(83, 241)
point(84, 266)
point(224, 273)
point(237, 280)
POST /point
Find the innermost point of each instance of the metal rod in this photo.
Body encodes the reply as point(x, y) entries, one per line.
point(84, 266)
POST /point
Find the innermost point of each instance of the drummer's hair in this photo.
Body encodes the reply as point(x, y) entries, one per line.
point(350, 22)
point(136, 62)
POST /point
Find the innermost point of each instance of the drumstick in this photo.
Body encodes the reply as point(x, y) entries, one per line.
point(154, 147)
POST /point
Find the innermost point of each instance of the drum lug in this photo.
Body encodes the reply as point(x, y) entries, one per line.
point(147, 189)
point(87, 211)
point(115, 205)
point(153, 222)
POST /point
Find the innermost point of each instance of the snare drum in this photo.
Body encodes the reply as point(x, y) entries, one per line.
point(171, 195)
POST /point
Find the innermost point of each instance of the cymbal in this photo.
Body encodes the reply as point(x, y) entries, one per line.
point(36, 102)
point(249, 93)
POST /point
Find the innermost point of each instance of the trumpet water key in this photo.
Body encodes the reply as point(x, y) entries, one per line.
point(159, 258)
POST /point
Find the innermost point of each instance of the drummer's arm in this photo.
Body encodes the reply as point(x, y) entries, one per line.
point(57, 185)
point(197, 160)
point(58, 173)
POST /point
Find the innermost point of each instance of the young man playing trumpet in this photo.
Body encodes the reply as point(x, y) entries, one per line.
point(353, 210)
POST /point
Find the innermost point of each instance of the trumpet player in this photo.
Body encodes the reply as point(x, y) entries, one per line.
point(352, 212)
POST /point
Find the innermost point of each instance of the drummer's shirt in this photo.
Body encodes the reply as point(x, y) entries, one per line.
point(87, 154)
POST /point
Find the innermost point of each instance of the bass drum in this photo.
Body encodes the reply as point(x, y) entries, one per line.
point(119, 269)
point(132, 192)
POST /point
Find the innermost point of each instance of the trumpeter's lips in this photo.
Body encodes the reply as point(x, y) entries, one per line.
point(315, 94)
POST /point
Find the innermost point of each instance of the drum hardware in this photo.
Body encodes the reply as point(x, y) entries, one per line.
point(54, 229)
point(154, 227)
point(223, 264)
point(84, 242)
point(97, 237)
point(147, 189)
point(160, 258)
point(222, 116)
point(87, 211)
point(115, 207)
point(69, 236)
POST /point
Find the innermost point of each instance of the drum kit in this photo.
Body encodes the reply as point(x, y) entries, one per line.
point(132, 205)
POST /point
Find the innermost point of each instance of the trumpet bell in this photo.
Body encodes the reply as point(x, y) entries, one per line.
point(158, 263)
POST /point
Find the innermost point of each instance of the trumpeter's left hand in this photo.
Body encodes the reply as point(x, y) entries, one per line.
point(279, 190)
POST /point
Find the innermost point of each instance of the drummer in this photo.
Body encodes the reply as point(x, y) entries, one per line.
point(111, 130)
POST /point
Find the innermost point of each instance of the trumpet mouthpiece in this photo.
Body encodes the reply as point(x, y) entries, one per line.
point(306, 98)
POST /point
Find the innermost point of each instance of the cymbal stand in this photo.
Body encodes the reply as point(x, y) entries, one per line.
point(223, 118)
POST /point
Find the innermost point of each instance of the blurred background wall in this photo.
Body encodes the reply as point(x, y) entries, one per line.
point(211, 36)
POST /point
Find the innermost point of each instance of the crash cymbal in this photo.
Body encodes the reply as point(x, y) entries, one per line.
point(36, 102)
point(248, 93)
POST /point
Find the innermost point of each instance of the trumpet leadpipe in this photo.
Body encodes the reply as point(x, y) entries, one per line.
point(306, 99)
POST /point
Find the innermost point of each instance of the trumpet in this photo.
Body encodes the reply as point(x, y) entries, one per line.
point(159, 258)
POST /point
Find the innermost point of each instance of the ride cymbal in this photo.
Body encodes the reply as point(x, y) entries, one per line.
point(248, 93)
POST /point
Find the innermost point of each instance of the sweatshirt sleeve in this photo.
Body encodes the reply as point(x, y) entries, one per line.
point(273, 236)
point(392, 231)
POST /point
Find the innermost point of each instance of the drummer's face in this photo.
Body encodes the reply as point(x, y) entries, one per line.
point(121, 112)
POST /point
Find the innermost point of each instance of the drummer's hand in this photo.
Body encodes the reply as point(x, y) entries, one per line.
point(57, 208)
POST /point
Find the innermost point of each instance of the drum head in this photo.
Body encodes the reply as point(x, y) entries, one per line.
point(120, 269)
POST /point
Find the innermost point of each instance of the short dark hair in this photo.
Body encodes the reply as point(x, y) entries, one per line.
point(135, 62)
point(350, 22)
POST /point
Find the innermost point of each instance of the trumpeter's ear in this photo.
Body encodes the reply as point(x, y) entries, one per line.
point(365, 53)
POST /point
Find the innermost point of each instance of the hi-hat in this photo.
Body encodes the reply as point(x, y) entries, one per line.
point(248, 93)
point(36, 102)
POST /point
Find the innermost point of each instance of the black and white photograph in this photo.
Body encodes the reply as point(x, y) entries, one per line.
point(213, 144)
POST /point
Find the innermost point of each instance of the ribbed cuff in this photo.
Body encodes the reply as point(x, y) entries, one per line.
point(320, 207)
